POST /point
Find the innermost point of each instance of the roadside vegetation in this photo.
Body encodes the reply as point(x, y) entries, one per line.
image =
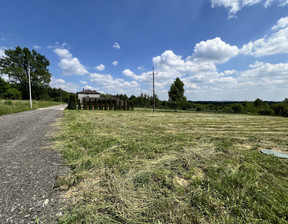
point(15, 106)
point(145, 167)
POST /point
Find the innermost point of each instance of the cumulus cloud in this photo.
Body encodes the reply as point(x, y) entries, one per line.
point(100, 67)
point(70, 65)
point(236, 5)
point(61, 83)
point(282, 23)
point(215, 50)
point(277, 43)
point(83, 82)
point(116, 45)
point(115, 63)
point(110, 85)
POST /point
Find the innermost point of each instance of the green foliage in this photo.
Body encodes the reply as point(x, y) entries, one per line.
point(281, 109)
point(72, 103)
point(237, 108)
point(90, 104)
point(258, 103)
point(16, 64)
point(84, 102)
point(110, 104)
point(105, 104)
point(100, 104)
point(79, 104)
point(115, 105)
point(12, 93)
point(96, 104)
point(176, 92)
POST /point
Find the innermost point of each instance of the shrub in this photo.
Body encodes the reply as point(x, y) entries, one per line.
point(90, 104)
point(110, 105)
point(96, 104)
point(72, 103)
point(100, 105)
point(281, 109)
point(9, 103)
point(237, 108)
point(79, 104)
point(105, 105)
point(12, 93)
point(84, 104)
point(266, 111)
point(115, 105)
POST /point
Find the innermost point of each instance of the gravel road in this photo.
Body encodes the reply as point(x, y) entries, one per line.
point(28, 167)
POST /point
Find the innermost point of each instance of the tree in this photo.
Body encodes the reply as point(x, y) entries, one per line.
point(72, 102)
point(90, 104)
point(84, 104)
point(16, 64)
point(176, 94)
point(79, 104)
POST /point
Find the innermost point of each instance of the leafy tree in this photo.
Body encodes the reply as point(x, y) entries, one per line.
point(176, 94)
point(258, 103)
point(16, 64)
point(4, 86)
point(12, 93)
point(96, 104)
point(110, 104)
point(105, 104)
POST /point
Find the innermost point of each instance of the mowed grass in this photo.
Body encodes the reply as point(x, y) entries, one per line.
point(145, 167)
point(14, 106)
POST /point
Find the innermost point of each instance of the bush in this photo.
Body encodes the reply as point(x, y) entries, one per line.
point(106, 105)
point(79, 104)
point(100, 105)
point(110, 105)
point(266, 111)
point(281, 109)
point(84, 104)
point(237, 108)
point(72, 103)
point(90, 104)
point(12, 93)
point(96, 104)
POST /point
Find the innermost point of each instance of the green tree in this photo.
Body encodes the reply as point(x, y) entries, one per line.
point(84, 104)
point(72, 102)
point(79, 104)
point(4, 86)
point(90, 104)
point(100, 104)
point(17, 63)
point(176, 94)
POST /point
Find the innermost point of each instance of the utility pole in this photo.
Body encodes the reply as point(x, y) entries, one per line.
point(30, 87)
point(153, 74)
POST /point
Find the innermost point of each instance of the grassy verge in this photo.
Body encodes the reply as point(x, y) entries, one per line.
point(145, 167)
point(14, 106)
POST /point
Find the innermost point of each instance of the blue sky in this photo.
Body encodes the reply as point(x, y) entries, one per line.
point(220, 49)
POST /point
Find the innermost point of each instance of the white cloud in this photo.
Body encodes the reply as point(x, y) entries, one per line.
point(277, 43)
point(83, 82)
point(115, 63)
point(36, 47)
point(108, 84)
point(2, 54)
point(215, 50)
point(100, 67)
point(61, 83)
point(282, 23)
point(236, 5)
point(88, 87)
point(141, 68)
point(116, 45)
point(70, 65)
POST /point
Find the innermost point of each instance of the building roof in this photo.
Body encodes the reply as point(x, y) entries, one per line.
point(88, 91)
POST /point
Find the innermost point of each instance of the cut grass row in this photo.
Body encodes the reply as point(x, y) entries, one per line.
point(145, 167)
point(15, 106)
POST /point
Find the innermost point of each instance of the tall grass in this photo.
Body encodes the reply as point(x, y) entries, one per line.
point(14, 106)
point(145, 167)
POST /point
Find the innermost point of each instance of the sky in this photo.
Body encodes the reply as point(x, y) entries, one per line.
point(221, 49)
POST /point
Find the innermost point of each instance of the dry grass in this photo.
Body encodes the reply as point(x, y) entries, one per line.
point(144, 167)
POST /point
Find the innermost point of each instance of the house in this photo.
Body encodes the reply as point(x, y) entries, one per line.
point(88, 94)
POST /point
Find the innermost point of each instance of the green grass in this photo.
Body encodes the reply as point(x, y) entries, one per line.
point(14, 106)
point(145, 167)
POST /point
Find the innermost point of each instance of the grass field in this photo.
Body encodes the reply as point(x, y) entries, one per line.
point(14, 106)
point(145, 167)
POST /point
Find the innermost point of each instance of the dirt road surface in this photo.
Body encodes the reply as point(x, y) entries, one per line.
point(28, 167)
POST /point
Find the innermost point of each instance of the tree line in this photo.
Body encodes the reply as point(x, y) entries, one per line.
point(18, 64)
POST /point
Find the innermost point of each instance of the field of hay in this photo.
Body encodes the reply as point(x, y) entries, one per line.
point(165, 167)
